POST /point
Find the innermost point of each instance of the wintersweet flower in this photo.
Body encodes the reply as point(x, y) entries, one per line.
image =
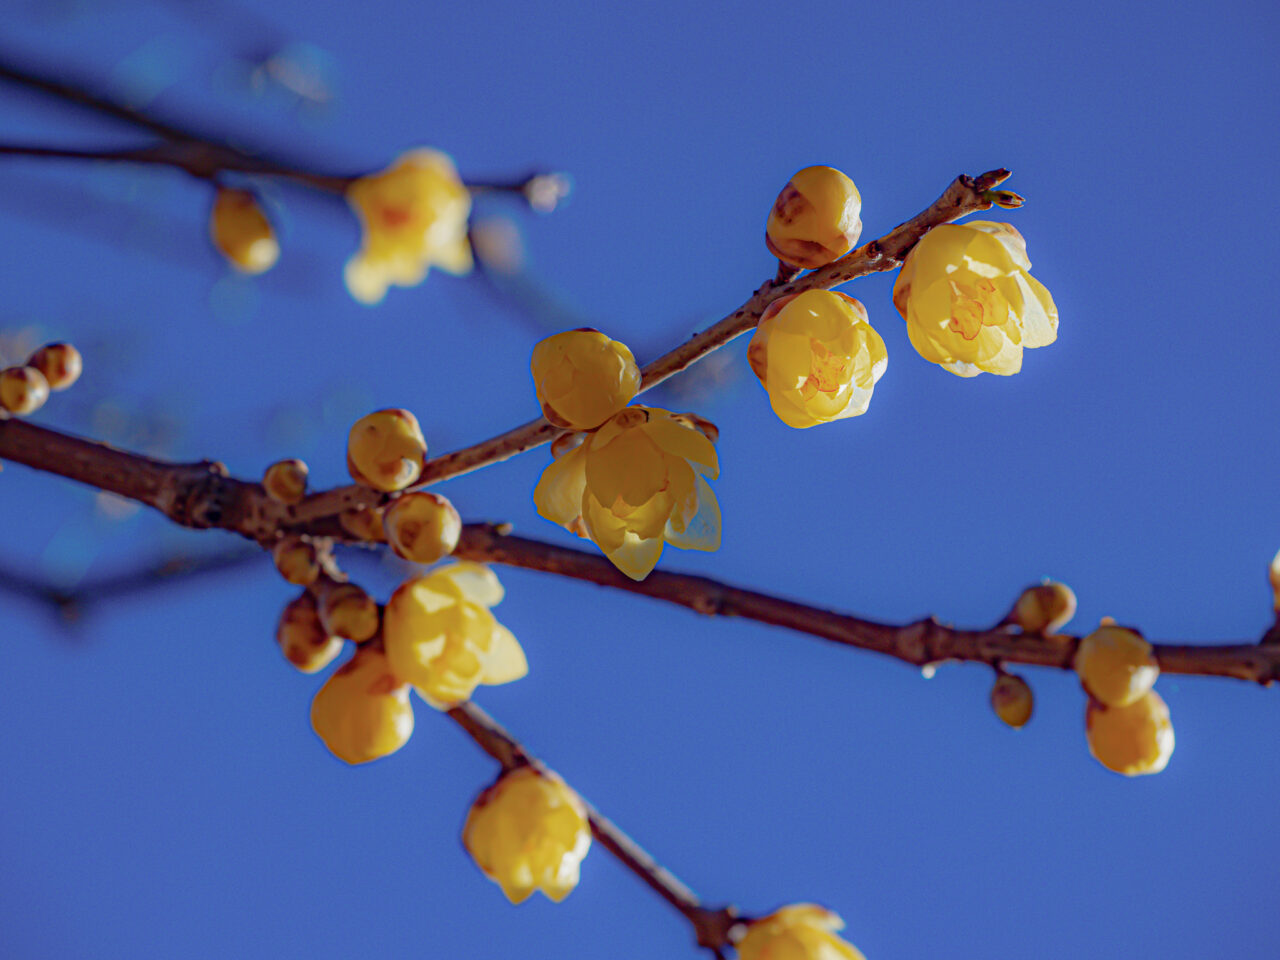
point(241, 231)
point(816, 218)
point(1116, 665)
point(803, 931)
point(1133, 740)
point(363, 712)
point(414, 216)
point(817, 357)
point(633, 485)
point(969, 302)
point(441, 637)
point(528, 832)
point(582, 378)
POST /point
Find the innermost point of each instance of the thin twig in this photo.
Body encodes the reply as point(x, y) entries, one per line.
point(711, 926)
point(923, 643)
point(964, 196)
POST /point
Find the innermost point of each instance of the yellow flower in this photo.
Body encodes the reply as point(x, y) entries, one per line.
point(386, 450)
point(362, 712)
point(441, 637)
point(817, 357)
point(414, 216)
point(582, 378)
point(633, 485)
point(241, 231)
point(802, 931)
point(1133, 740)
point(1116, 665)
point(816, 218)
point(528, 832)
point(969, 302)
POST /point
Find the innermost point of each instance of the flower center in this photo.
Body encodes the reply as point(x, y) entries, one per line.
point(972, 306)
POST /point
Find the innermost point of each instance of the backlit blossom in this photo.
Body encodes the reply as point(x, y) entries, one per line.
point(802, 931)
point(635, 484)
point(969, 302)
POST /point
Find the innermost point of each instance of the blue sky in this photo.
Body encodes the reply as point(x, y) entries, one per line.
point(163, 794)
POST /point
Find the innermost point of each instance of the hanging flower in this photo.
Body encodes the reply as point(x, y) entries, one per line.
point(817, 357)
point(635, 484)
point(414, 216)
point(363, 712)
point(441, 637)
point(802, 931)
point(969, 302)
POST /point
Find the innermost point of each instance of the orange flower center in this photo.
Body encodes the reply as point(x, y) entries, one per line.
point(972, 306)
point(827, 373)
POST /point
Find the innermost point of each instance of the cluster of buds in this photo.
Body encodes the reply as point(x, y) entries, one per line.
point(1126, 721)
point(24, 389)
point(635, 478)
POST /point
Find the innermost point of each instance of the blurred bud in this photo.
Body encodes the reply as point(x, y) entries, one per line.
point(364, 524)
point(23, 390)
point(422, 527)
point(286, 481)
point(1274, 576)
point(363, 712)
point(302, 638)
point(545, 191)
point(1044, 608)
point(1116, 665)
point(60, 363)
point(347, 611)
point(296, 560)
point(1012, 700)
point(241, 231)
point(1132, 740)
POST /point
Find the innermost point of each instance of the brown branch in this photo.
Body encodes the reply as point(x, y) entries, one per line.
point(922, 643)
point(965, 195)
point(711, 926)
point(201, 495)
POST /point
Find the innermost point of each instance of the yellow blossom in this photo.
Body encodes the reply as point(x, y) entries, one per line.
point(582, 378)
point(816, 218)
point(1134, 739)
point(441, 637)
point(362, 712)
point(386, 450)
point(969, 302)
point(817, 357)
point(1115, 665)
point(528, 832)
point(414, 216)
point(633, 485)
point(802, 931)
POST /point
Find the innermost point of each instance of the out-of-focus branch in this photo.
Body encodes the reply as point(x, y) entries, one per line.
point(711, 925)
point(201, 495)
point(964, 196)
point(922, 643)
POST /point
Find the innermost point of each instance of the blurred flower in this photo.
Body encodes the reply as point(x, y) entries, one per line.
point(362, 712)
point(969, 302)
point(803, 931)
point(1133, 740)
point(414, 216)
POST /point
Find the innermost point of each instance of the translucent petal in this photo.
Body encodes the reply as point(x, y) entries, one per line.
point(504, 661)
point(477, 582)
point(675, 438)
point(1039, 313)
point(559, 493)
point(702, 532)
point(636, 557)
point(630, 468)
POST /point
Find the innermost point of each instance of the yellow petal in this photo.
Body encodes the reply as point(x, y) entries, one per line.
point(477, 582)
point(675, 438)
point(703, 531)
point(636, 557)
point(504, 661)
point(559, 493)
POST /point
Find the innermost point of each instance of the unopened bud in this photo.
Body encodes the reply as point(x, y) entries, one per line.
point(286, 481)
point(364, 524)
point(422, 527)
point(1012, 700)
point(23, 390)
point(347, 611)
point(301, 637)
point(1044, 608)
point(60, 363)
point(296, 560)
point(1006, 198)
point(241, 231)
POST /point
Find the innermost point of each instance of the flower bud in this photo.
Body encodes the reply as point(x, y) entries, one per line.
point(364, 523)
point(1134, 739)
point(1116, 665)
point(302, 638)
point(362, 712)
point(1273, 575)
point(296, 560)
point(1044, 608)
point(23, 390)
point(286, 481)
point(60, 363)
point(1012, 700)
point(241, 231)
point(422, 527)
point(816, 218)
point(386, 450)
point(802, 931)
point(582, 378)
point(527, 832)
point(347, 611)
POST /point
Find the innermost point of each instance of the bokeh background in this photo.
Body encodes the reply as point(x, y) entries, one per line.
point(161, 792)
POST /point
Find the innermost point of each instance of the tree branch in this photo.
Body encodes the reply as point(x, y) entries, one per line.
point(711, 926)
point(922, 643)
point(965, 195)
